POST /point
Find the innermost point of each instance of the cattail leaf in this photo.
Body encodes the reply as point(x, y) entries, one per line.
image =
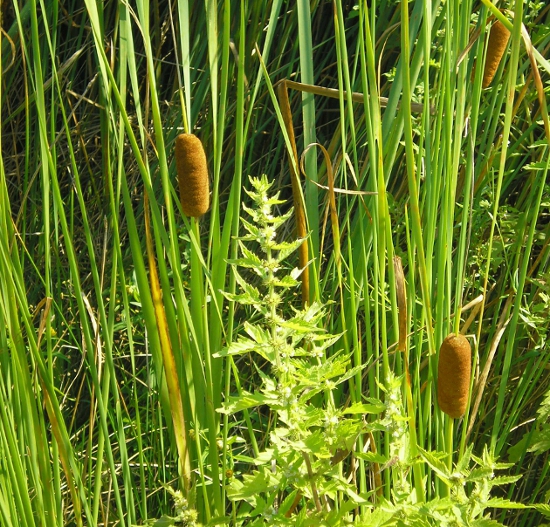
point(170, 369)
point(401, 303)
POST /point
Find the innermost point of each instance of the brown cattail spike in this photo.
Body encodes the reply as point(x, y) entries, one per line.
point(498, 40)
point(192, 175)
point(453, 375)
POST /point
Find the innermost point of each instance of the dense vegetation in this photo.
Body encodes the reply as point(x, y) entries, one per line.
point(165, 370)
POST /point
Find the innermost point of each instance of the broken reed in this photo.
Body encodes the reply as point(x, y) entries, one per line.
point(192, 175)
point(498, 40)
point(453, 375)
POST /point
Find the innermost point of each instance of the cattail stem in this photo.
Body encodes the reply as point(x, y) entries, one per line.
point(449, 431)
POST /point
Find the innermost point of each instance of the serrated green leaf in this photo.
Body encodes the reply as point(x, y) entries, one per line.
point(321, 343)
point(378, 517)
point(299, 325)
point(316, 444)
point(318, 374)
point(436, 464)
point(486, 522)
point(251, 256)
point(543, 413)
point(260, 506)
point(240, 299)
point(347, 432)
point(250, 227)
point(256, 333)
point(250, 486)
point(542, 442)
point(362, 408)
point(296, 272)
point(437, 504)
point(356, 498)
point(372, 457)
point(501, 503)
point(244, 402)
point(543, 508)
point(504, 480)
point(352, 372)
point(285, 249)
point(243, 345)
point(276, 201)
point(250, 290)
point(480, 473)
point(164, 521)
point(277, 221)
point(464, 462)
point(286, 282)
point(245, 262)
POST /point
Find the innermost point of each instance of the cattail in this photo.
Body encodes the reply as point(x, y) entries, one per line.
point(192, 175)
point(453, 375)
point(498, 40)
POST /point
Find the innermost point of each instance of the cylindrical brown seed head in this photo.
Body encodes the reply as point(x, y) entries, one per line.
point(192, 175)
point(498, 40)
point(453, 375)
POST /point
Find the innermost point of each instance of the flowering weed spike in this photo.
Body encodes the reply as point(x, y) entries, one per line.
point(498, 40)
point(453, 375)
point(192, 175)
